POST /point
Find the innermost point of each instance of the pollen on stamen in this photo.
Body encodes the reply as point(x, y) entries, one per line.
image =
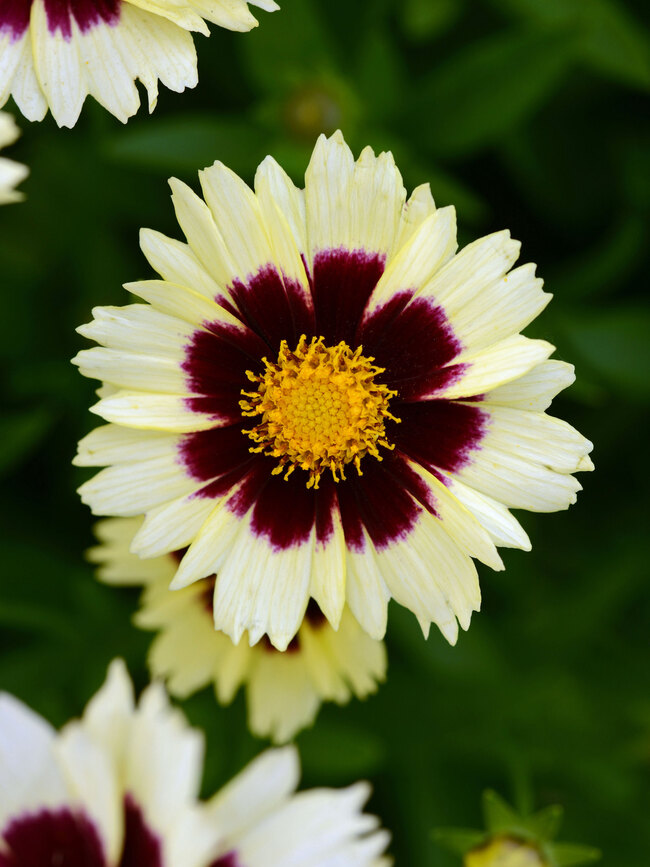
point(321, 408)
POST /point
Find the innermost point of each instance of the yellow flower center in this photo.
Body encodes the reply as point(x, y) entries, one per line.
point(505, 852)
point(321, 409)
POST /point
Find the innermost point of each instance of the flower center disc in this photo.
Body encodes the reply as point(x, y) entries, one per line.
point(321, 409)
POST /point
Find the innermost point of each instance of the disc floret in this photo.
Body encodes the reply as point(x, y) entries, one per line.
point(321, 409)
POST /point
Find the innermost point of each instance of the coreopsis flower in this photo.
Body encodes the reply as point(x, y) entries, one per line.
point(119, 788)
point(514, 840)
point(322, 399)
point(284, 691)
point(54, 54)
point(11, 173)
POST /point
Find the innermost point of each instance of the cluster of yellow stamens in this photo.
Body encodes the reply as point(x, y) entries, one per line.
point(321, 409)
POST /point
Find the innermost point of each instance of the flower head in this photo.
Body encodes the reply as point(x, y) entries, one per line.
point(11, 173)
point(514, 840)
point(323, 399)
point(57, 52)
point(119, 788)
point(284, 690)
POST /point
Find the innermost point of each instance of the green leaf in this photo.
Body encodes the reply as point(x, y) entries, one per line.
point(458, 840)
point(488, 88)
point(187, 143)
point(499, 815)
point(546, 823)
point(571, 854)
point(611, 40)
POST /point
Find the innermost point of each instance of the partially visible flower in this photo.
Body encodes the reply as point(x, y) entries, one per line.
point(119, 789)
point(284, 690)
point(505, 852)
point(55, 53)
point(514, 840)
point(11, 173)
point(322, 399)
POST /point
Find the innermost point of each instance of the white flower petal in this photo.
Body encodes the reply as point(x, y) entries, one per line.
point(261, 589)
point(264, 786)
point(31, 777)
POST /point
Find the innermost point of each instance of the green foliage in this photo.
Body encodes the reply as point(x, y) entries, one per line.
point(526, 114)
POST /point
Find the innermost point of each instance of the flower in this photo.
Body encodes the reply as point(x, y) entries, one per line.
point(56, 53)
point(515, 840)
point(322, 400)
point(284, 690)
point(119, 788)
point(505, 852)
point(11, 173)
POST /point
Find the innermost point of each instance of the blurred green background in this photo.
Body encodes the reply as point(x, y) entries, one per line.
point(526, 114)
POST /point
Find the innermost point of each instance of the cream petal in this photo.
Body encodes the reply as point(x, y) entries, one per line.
point(92, 781)
point(281, 697)
point(428, 248)
point(260, 789)
point(261, 589)
point(197, 222)
point(503, 528)
point(136, 370)
point(375, 205)
point(419, 206)
point(133, 488)
point(498, 309)
point(367, 593)
point(183, 303)
point(536, 437)
point(112, 444)
point(164, 759)
point(497, 364)
point(30, 774)
point(172, 525)
point(328, 579)
point(319, 827)
point(177, 263)
point(239, 221)
point(536, 389)
point(327, 189)
point(139, 328)
point(271, 180)
point(519, 484)
point(169, 413)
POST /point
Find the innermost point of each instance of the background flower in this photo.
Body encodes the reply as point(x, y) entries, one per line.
point(54, 55)
point(120, 787)
point(11, 173)
point(283, 690)
point(524, 114)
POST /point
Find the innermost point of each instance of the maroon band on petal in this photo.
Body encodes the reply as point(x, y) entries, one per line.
point(86, 13)
point(14, 17)
point(380, 500)
point(142, 848)
point(438, 433)
point(273, 306)
point(47, 837)
point(211, 453)
point(228, 860)
point(413, 340)
point(342, 283)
